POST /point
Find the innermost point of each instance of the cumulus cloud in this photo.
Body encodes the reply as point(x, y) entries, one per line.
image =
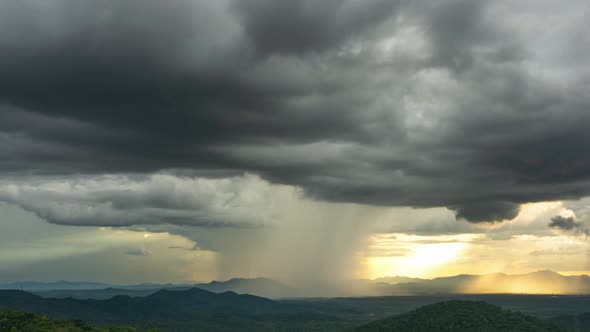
point(458, 104)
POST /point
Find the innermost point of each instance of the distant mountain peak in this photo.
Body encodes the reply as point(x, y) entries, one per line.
point(190, 291)
point(539, 282)
point(258, 286)
point(546, 273)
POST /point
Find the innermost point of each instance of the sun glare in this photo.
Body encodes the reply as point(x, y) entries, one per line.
point(420, 261)
point(427, 256)
point(435, 254)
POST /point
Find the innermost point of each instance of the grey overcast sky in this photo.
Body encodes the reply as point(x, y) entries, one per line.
point(247, 136)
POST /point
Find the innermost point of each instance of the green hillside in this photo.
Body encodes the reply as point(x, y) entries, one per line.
point(197, 310)
point(19, 321)
point(576, 322)
point(459, 316)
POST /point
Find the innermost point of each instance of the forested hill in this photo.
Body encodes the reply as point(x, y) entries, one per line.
point(18, 321)
point(459, 316)
point(201, 310)
point(163, 305)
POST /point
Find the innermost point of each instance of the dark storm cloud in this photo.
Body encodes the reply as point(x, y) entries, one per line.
point(563, 223)
point(462, 33)
point(378, 102)
point(309, 26)
point(488, 211)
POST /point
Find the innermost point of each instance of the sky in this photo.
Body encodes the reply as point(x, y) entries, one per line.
point(306, 141)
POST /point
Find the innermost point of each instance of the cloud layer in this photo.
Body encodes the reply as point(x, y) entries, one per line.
point(112, 200)
point(477, 106)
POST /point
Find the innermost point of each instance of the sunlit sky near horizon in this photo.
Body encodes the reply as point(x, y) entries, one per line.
point(56, 252)
point(306, 141)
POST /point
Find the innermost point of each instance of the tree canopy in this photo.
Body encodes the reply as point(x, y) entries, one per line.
point(19, 321)
point(459, 316)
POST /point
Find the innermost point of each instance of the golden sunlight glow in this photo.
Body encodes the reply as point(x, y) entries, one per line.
point(533, 212)
point(574, 273)
point(414, 259)
point(429, 255)
point(523, 245)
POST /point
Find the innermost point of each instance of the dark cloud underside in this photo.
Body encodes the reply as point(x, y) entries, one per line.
point(378, 102)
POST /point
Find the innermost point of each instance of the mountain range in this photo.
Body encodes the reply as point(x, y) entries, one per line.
point(257, 286)
point(195, 307)
point(200, 310)
point(540, 282)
